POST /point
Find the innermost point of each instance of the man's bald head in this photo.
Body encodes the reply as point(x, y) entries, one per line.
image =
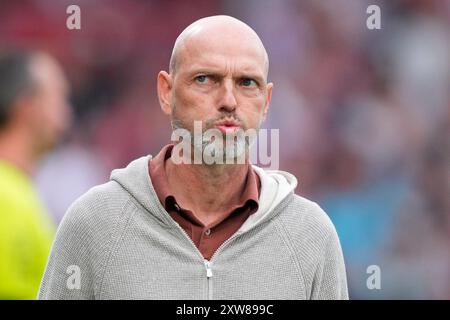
point(213, 31)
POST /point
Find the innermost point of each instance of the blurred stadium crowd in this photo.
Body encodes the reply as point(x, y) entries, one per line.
point(364, 115)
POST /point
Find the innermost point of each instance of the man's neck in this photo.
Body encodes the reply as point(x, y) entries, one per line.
point(15, 149)
point(206, 188)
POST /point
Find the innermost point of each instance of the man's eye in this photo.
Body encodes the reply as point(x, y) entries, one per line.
point(246, 82)
point(201, 79)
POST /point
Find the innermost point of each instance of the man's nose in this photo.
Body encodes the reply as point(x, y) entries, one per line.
point(227, 98)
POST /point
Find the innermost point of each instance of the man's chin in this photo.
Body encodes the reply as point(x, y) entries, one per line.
point(219, 153)
point(48, 146)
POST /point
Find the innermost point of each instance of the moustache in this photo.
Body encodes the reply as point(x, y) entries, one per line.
point(224, 118)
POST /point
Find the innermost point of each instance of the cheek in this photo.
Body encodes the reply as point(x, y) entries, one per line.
point(192, 99)
point(192, 105)
point(252, 111)
point(55, 113)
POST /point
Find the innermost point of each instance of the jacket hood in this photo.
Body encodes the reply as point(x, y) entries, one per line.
point(276, 186)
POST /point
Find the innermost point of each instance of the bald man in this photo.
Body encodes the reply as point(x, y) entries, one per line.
point(170, 227)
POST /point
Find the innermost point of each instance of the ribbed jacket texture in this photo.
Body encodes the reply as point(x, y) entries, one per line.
point(118, 242)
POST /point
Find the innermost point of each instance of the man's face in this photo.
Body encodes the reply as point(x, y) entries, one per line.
point(50, 111)
point(221, 81)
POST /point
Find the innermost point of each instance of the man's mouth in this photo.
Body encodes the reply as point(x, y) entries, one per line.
point(227, 126)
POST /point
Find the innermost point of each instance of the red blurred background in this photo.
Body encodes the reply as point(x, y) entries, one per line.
point(364, 115)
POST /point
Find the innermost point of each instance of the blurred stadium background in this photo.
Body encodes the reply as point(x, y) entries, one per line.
point(364, 115)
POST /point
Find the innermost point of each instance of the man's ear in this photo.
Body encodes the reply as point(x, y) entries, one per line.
point(164, 87)
point(268, 99)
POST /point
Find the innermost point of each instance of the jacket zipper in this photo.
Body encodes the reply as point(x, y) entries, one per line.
point(207, 264)
point(209, 275)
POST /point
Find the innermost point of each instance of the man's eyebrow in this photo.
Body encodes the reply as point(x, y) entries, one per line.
point(245, 75)
point(218, 73)
point(209, 71)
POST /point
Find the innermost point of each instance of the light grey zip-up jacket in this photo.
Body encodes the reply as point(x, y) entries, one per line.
point(118, 242)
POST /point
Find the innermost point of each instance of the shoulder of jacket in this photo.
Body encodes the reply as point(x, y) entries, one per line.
point(99, 209)
point(305, 219)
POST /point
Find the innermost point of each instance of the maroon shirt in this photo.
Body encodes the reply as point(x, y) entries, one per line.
point(207, 238)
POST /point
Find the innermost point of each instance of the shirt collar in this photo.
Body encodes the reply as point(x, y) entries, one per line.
point(160, 183)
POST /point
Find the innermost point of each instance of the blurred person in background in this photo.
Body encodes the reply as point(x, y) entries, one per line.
point(34, 113)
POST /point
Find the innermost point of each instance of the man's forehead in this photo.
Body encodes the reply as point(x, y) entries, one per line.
point(47, 71)
point(220, 36)
point(221, 52)
point(221, 62)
